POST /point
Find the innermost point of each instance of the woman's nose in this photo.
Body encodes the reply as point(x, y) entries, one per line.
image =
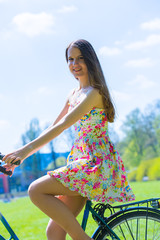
point(75, 61)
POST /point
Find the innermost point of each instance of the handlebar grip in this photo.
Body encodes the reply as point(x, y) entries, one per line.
point(3, 170)
point(1, 156)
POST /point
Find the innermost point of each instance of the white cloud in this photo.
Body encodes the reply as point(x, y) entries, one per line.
point(68, 9)
point(119, 42)
point(144, 62)
point(151, 25)
point(34, 24)
point(106, 51)
point(150, 41)
point(141, 82)
point(121, 96)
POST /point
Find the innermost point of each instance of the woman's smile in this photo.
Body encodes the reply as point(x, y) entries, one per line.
point(77, 64)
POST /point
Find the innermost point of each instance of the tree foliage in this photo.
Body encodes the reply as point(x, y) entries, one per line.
point(142, 135)
point(147, 168)
point(32, 132)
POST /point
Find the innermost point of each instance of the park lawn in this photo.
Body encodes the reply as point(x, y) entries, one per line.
point(29, 223)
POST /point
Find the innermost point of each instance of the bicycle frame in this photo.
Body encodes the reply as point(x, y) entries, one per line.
point(122, 210)
point(88, 209)
point(9, 229)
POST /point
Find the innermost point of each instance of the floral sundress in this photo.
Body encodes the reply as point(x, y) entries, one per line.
point(94, 168)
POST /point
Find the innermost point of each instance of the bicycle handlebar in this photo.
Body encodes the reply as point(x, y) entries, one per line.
point(1, 156)
point(3, 169)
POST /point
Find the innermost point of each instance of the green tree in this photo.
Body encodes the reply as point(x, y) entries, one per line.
point(134, 130)
point(143, 169)
point(150, 125)
point(113, 135)
point(154, 170)
point(142, 135)
point(32, 132)
point(156, 125)
point(51, 147)
point(130, 155)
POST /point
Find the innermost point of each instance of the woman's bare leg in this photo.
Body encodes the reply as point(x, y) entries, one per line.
point(42, 193)
point(75, 204)
point(54, 231)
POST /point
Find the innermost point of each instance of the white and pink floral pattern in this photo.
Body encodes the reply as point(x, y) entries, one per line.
point(94, 168)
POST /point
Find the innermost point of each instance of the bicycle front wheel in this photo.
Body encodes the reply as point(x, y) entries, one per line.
point(134, 225)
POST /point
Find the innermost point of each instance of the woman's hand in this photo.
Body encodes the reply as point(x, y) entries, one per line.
point(9, 167)
point(15, 158)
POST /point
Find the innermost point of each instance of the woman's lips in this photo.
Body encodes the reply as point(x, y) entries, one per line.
point(77, 70)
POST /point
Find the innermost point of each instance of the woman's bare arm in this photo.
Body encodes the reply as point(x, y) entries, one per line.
point(68, 119)
point(60, 116)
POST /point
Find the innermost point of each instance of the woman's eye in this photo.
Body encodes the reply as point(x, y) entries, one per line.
point(76, 59)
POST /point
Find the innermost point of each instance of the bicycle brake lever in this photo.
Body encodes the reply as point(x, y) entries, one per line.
point(3, 170)
point(1, 156)
point(17, 162)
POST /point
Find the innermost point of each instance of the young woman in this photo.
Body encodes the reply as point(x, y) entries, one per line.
point(94, 168)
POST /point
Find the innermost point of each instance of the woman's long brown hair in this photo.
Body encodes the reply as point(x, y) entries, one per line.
point(96, 76)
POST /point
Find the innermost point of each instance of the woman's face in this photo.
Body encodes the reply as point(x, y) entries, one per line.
point(77, 64)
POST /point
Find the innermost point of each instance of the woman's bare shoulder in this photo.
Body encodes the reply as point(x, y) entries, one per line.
point(97, 96)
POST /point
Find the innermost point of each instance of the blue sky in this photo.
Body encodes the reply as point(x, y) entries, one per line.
point(34, 76)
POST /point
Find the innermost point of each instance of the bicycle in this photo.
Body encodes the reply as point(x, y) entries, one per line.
point(132, 221)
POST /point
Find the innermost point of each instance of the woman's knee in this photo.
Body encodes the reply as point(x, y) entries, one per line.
point(38, 188)
point(32, 190)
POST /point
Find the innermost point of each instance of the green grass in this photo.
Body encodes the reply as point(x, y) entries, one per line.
point(29, 223)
